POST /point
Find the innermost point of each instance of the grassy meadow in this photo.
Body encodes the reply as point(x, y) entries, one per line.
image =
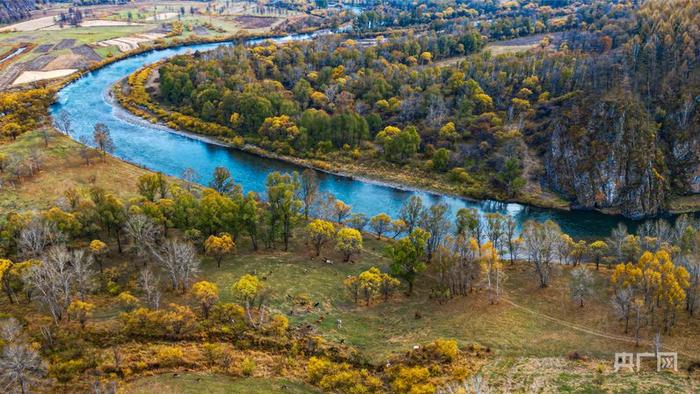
point(63, 168)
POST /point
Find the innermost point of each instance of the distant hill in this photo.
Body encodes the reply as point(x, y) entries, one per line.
point(14, 10)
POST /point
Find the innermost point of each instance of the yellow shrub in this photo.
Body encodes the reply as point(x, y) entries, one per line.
point(341, 377)
point(169, 356)
point(279, 325)
point(446, 348)
point(247, 367)
point(413, 380)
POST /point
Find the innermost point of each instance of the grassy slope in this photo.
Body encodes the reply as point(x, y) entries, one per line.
point(528, 350)
point(63, 169)
point(206, 383)
point(386, 328)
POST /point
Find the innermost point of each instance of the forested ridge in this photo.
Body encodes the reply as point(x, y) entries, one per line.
point(12, 10)
point(607, 119)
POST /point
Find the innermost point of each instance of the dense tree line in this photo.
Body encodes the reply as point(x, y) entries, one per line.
point(495, 19)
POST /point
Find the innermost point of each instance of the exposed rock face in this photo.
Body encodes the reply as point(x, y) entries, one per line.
point(14, 10)
point(604, 153)
point(683, 134)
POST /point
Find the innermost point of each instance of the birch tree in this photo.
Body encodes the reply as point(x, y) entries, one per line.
point(52, 280)
point(179, 260)
point(21, 367)
point(540, 241)
point(142, 233)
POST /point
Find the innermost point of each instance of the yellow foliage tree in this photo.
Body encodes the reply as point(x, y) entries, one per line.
point(352, 284)
point(492, 267)
point(319, 99)
point(348, 242)
point(207, 294)
point(279, 128)
point(5, 266)
point(98, 249)
point(658, 282)
point(219, 246)
point(341, 210)
point(380, 224)
point(320, 232)
point(248, 287)
point(80, 311)
point(449, 132)
point(369, 283)
point(597, 250)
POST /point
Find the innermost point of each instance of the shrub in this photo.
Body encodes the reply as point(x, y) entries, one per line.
point(413, 380)
point(446, 349)
point(460, 175)
point(66, 371)
point(169, 356)
point(212, 352)
point(442, 351)
point(127, 301)
point(247, 367)
point(341, 377)
point(228, 313)
point(279, 325)
point(174, 322)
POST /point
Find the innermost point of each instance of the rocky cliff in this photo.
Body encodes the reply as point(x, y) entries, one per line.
point(14, 10)
point(604, 153)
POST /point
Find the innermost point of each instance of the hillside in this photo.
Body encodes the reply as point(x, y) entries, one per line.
point(627, 136)
point(14, 10)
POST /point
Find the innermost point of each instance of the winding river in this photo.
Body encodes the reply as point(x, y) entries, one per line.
point(161, 149)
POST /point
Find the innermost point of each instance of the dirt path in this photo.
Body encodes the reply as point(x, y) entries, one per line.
point(590, 331)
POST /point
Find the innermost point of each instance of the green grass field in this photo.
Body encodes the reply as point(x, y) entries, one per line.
point(82, 35)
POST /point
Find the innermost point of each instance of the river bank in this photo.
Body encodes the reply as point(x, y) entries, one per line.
point(377, 172)
point(160, 149)
point(131, 96)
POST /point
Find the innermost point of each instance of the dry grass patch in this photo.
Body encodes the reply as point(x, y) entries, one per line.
point(561, 375)
point(63, 169)
point(30, 25)
point(255, 22)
